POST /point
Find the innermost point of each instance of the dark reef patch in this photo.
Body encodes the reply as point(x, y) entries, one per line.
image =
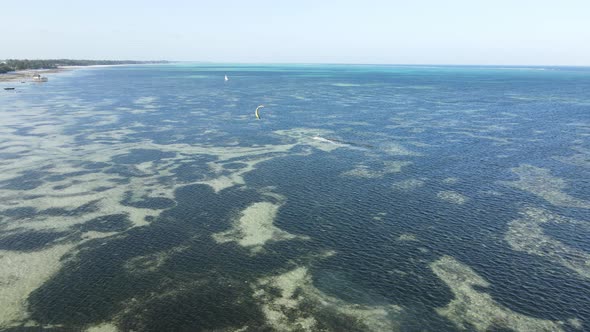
point(29, 241)
point(212, 303)
point(29, 180)
point(102, 188)
point(65, 176)
point(108, 223)
point(138, 156)
point(234, 165)
point(126, 171)
point(20, 212)
point(95, 165)
point(199, 213)
point(196, 171)
point(82, 209)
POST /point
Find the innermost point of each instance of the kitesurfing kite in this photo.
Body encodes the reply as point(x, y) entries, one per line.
point(258, 114)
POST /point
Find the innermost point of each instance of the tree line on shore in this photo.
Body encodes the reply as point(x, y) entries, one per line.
point(14, 64)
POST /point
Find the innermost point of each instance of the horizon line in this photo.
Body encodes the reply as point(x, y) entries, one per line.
point(312, 63)
point(378, 64)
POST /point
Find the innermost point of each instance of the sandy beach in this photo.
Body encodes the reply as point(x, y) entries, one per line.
point(27, 75)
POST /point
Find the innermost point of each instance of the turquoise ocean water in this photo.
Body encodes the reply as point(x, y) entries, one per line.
point(365, 198)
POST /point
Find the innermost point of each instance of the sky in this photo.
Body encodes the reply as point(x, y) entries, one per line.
point(471, 32)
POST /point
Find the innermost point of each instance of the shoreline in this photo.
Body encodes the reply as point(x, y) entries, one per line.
point(26, 75)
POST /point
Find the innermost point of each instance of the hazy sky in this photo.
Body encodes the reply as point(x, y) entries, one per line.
point(539, 32)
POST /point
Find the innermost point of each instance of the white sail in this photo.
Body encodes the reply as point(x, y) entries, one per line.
point(226, 79)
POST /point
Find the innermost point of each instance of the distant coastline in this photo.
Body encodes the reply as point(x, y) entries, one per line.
point(14, 70)
point(9, 65)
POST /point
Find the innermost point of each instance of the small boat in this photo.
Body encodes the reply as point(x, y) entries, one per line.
point(226, 79)
point(8, 88)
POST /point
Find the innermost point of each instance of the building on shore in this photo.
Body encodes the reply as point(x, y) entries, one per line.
point(39, 78)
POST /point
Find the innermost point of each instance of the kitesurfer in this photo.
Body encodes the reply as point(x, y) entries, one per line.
point(256, 113)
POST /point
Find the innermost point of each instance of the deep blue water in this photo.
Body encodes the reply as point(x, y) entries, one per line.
point(464, 136)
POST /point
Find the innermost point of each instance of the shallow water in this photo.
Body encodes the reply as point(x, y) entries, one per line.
point(369, 198)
